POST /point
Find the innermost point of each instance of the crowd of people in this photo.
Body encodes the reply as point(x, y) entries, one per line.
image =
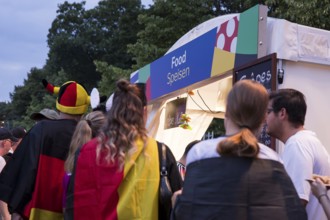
point(102, 164)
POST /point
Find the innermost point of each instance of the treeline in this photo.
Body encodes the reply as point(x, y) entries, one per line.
point(98, 46)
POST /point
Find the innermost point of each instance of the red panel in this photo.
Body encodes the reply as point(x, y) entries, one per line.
point(48, 189)
point(95, 187)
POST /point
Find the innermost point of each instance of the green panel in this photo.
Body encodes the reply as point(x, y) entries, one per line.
point(144, 73)
point(247, 39)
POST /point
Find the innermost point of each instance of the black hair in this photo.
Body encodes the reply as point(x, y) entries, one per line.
point(142, 92)
point(293, 102)
point(189, 146)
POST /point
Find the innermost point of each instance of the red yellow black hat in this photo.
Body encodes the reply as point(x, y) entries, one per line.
point(72, 97)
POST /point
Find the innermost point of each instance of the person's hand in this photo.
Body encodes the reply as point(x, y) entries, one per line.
point(16, 216)
point(175, 195)
point(4, 211)
point(318, 188)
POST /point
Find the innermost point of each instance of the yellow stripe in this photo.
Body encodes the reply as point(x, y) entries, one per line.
point(39, 214)
point(138, 193)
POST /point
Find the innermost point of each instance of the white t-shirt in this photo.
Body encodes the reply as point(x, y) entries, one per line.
point(2, 163)
point(304, 155)
point(208, 149)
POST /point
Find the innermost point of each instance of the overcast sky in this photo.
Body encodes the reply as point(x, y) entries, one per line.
point(24, 27)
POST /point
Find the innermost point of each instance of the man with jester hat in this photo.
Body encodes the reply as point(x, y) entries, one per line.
point(31, 183)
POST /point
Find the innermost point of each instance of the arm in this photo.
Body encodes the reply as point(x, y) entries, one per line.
point(319, 190)
point(325, 202)
point(175, 196)
point(4, 211)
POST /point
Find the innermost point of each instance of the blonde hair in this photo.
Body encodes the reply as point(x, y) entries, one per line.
point(85, 130)
point(246, 107)
point(125, 123)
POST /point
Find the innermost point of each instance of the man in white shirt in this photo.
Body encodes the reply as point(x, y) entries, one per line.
point(303, 153)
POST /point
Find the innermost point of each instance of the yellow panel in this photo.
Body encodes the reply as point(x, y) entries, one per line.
point(45, 214)
point(139, 189)
point(222, 61)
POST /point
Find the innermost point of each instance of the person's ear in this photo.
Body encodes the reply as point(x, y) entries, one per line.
point(282, 113)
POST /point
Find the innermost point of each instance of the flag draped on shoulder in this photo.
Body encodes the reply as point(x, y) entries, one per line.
point(31, 183)
point(104, 191)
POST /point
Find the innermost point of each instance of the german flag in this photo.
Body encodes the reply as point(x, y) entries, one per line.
point(103, 191)
point(31, 183)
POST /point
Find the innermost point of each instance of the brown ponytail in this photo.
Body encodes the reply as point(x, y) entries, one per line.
point(246, 108)
point(242, 144)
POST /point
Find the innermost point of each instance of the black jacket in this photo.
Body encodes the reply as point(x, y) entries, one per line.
point(238, 188)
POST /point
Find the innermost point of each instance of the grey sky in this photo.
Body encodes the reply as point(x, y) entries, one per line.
point(23, 34)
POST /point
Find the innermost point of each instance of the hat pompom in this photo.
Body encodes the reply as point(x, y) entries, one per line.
point(95, 98)
point(52, 89)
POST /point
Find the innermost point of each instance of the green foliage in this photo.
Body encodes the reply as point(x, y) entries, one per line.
point(78, 37)
point(168, 20)
point(234, 6)
point(68, 48)
point(164, 23)
point(23, 95)
point(315, 13)
point(110, 75)
point(117, 26)
point(4, 111)
point(216, 128)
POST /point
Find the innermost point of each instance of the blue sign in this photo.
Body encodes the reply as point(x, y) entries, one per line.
point(185, 66)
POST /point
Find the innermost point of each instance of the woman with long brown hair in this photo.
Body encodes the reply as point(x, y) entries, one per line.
point(234, 176)
point(87, 128)
point(117, 174)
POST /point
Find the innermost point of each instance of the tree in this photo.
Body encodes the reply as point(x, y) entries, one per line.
point(315, 13)
point(4, 111)
point(117, 26)
point(22, 96)
point(110, 75)
point(96, 47)
point(78, 37)
point(69, 50)
point(167, 20)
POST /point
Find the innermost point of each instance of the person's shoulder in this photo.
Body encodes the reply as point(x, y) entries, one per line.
point(151, 140)
point(268, 153)
point(302, 134)
point(53, 124)
point(304, 139)
point(2, 160)
point(204, 149)
point(60, 122)
point(90, 145)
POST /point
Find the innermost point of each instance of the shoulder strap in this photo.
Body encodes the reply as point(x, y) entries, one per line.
point(162, 158)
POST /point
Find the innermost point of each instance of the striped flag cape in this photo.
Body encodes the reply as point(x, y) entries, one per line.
point(31, 183)
point(98, 190)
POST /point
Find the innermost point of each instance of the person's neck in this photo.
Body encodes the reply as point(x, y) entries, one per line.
point(289, 131)
point(68, 116)
point(231, 128)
